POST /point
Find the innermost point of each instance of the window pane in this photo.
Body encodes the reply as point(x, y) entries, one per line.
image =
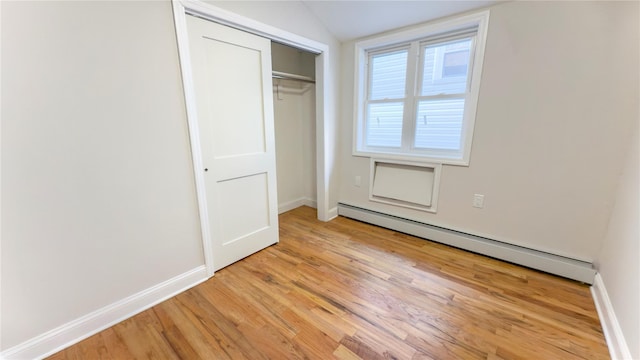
point(445, 68)
point(388, 75)
point(384, 124)
point(439, 124)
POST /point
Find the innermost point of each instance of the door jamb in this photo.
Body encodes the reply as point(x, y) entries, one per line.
point(194, 7)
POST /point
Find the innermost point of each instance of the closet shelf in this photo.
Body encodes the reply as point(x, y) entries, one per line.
point(287, 76)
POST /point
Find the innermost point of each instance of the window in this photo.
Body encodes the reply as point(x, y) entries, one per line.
point(418, 90)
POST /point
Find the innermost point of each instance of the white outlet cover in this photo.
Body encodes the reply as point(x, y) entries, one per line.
point(478, 200)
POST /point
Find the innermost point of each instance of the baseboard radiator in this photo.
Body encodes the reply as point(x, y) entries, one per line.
point(553, 264)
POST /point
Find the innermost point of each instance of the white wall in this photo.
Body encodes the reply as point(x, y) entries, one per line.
point(617, 261)
point(98, 196)
point(557, 102)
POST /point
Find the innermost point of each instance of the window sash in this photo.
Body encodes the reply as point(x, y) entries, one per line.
point(385, 133)
point(413, 81)
point(409, 81)
point(370, 64)
point(440, 122)
point(444, 42)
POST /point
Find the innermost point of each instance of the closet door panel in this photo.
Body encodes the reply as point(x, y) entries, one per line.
point(232, 80)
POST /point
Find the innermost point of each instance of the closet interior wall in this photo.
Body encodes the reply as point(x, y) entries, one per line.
point(295, 121)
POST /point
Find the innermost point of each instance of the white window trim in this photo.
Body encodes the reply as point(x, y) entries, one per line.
point(479, 19)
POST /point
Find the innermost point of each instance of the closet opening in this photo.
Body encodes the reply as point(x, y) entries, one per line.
point(294, 107)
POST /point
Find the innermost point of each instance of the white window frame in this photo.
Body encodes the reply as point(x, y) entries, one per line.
point(362, 49)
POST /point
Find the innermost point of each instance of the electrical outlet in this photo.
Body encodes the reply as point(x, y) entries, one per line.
point(478, 200)
point(358, 181)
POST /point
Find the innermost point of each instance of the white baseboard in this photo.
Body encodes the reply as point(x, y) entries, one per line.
point(79, 329)
point(332, 213)
point(618, 348)
point(554, 264)
point(282, 208)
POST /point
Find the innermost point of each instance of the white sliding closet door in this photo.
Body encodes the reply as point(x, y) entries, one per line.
point(232, 80)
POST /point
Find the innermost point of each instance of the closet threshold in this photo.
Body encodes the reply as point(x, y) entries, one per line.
point(287, 76)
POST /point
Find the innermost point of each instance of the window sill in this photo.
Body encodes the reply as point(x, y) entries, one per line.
point(415, 158)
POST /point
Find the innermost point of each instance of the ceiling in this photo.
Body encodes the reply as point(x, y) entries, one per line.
point(354, 19)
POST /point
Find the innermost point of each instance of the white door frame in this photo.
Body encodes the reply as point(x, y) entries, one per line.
point(194, 7)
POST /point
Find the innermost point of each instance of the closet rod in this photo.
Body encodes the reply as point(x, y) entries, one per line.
point(287, 76)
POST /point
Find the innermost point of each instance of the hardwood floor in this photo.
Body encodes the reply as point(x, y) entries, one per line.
point(349, 290)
